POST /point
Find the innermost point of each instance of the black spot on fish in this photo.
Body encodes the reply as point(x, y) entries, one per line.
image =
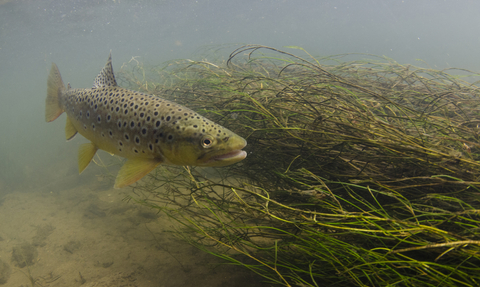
point(110, 133)
point(135, 150)
point(119, 124)
point(126, 137)
point(168, 118)
point(155, 113)
point(126, 111)
point(195, 126)
point(144, 131)
point(150, 146)
point(137, 139)
point(148, 118)
point(80, 113)
point(99, 118)
point(88, 114)
point(117, 109)
point(156, 141)
point(132, 124)
point(157, 124)
point(136, 106)
point(170, 137)
point(109, 117)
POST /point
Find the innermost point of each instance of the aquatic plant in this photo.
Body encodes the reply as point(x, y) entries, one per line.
point(359, 173)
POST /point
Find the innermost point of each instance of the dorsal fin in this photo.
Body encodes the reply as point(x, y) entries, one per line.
point(106, 78)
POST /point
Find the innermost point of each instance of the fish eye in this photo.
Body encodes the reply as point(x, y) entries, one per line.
point(206, 142)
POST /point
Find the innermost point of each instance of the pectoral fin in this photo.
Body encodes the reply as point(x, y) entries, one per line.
point(135, 169)
point(70, 130)
point(85, 155)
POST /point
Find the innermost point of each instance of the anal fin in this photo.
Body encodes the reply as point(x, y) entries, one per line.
point(85, 155)
point(70, 130)
point(134, 169)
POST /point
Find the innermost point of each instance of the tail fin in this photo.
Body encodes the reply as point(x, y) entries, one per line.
point(55, 88)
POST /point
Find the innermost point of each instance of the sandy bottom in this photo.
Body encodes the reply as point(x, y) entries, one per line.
point(68, 234)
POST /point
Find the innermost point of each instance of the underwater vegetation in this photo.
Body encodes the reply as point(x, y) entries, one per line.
point(359, 173)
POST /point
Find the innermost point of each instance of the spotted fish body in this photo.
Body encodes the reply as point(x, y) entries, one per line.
point(145, 129)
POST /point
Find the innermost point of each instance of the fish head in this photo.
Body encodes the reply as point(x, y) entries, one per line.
point(207, 149)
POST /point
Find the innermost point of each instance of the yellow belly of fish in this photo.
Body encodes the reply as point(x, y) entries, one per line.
point(137, 165)
point(100, 138)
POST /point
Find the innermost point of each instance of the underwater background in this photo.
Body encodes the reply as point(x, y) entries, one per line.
point(41, 193)
point(78, 35)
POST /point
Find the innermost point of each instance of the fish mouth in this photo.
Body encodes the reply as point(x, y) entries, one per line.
point(229, 156)
point(233, 156)
point(225, 159)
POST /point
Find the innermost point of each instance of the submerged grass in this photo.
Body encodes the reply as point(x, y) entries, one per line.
point(359, 173)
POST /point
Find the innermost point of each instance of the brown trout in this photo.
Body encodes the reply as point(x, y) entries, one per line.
point(144, 129)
